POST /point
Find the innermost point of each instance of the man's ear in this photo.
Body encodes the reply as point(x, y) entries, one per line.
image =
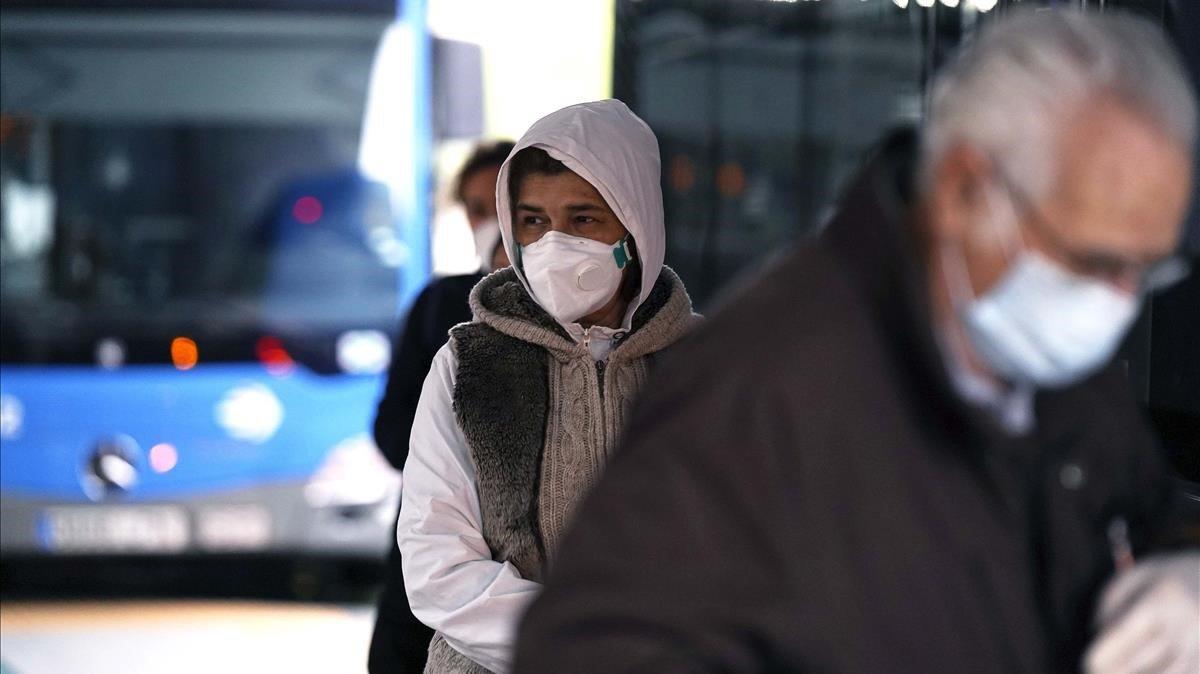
point(956, 192)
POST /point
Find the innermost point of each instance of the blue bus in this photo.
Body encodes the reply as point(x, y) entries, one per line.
point(212, 214)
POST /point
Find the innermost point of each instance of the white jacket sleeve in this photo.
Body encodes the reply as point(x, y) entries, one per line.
point(453, 584)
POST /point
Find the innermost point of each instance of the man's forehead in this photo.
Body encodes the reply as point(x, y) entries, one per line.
point(559, 186)
point(1123, 186)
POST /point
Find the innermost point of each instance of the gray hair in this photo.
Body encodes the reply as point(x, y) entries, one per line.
point(1010, 92)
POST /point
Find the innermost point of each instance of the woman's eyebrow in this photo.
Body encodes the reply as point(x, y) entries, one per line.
point(530, 207)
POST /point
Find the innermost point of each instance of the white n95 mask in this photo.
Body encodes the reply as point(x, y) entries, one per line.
point(1044, 325)
point(571, 276)
point(487, 237)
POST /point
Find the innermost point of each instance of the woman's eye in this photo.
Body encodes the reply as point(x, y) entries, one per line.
point(585, 219)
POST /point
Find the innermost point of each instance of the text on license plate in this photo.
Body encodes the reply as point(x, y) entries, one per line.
point(114, 529)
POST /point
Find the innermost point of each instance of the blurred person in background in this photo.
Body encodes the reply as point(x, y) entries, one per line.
point(400, 641)
point(522, 407)
point(906, 448)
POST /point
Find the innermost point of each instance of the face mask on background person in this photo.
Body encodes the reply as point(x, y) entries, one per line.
point(571, 276)
point(1041, 324)
point(487, 237)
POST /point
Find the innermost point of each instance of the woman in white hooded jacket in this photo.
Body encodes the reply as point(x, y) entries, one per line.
point(523, 406)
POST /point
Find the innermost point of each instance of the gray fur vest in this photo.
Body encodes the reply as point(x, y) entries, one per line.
point(541, 417)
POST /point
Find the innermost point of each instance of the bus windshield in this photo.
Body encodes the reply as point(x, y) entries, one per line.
point(142, 232)
point(224, 216)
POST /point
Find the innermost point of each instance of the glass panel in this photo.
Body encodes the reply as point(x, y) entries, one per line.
point(762, 110)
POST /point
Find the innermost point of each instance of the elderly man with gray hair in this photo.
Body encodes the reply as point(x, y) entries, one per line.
point(928, 462)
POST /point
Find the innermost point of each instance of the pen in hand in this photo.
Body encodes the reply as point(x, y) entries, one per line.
point(1118, 544)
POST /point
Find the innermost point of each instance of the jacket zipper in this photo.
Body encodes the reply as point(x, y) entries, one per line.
point(587, 343)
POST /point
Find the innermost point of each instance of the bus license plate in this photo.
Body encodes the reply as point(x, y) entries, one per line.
point(114, 529)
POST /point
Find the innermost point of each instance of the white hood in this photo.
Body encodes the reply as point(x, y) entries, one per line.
point(614, 150)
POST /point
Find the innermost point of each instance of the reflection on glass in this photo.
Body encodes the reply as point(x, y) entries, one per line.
point(146, 230)
point(762, 110)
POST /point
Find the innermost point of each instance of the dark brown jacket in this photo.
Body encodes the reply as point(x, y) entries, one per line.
point(801, 490)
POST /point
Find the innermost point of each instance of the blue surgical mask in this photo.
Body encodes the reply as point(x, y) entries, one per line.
point(1040, 324)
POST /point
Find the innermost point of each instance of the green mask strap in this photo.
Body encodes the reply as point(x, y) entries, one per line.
point(621, 252)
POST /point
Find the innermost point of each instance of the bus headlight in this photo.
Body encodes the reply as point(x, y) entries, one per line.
point(12, 416)
point(354, 474)
point(250, 412)
point(363, 351)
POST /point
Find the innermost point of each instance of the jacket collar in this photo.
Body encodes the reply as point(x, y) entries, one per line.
point(501, 301)
point(876, 237)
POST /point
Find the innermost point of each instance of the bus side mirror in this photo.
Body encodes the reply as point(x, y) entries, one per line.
point(457, 89)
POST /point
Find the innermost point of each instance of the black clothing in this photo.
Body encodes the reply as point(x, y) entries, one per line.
point(801, 489)
point(440, 306)
point(400, 642)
